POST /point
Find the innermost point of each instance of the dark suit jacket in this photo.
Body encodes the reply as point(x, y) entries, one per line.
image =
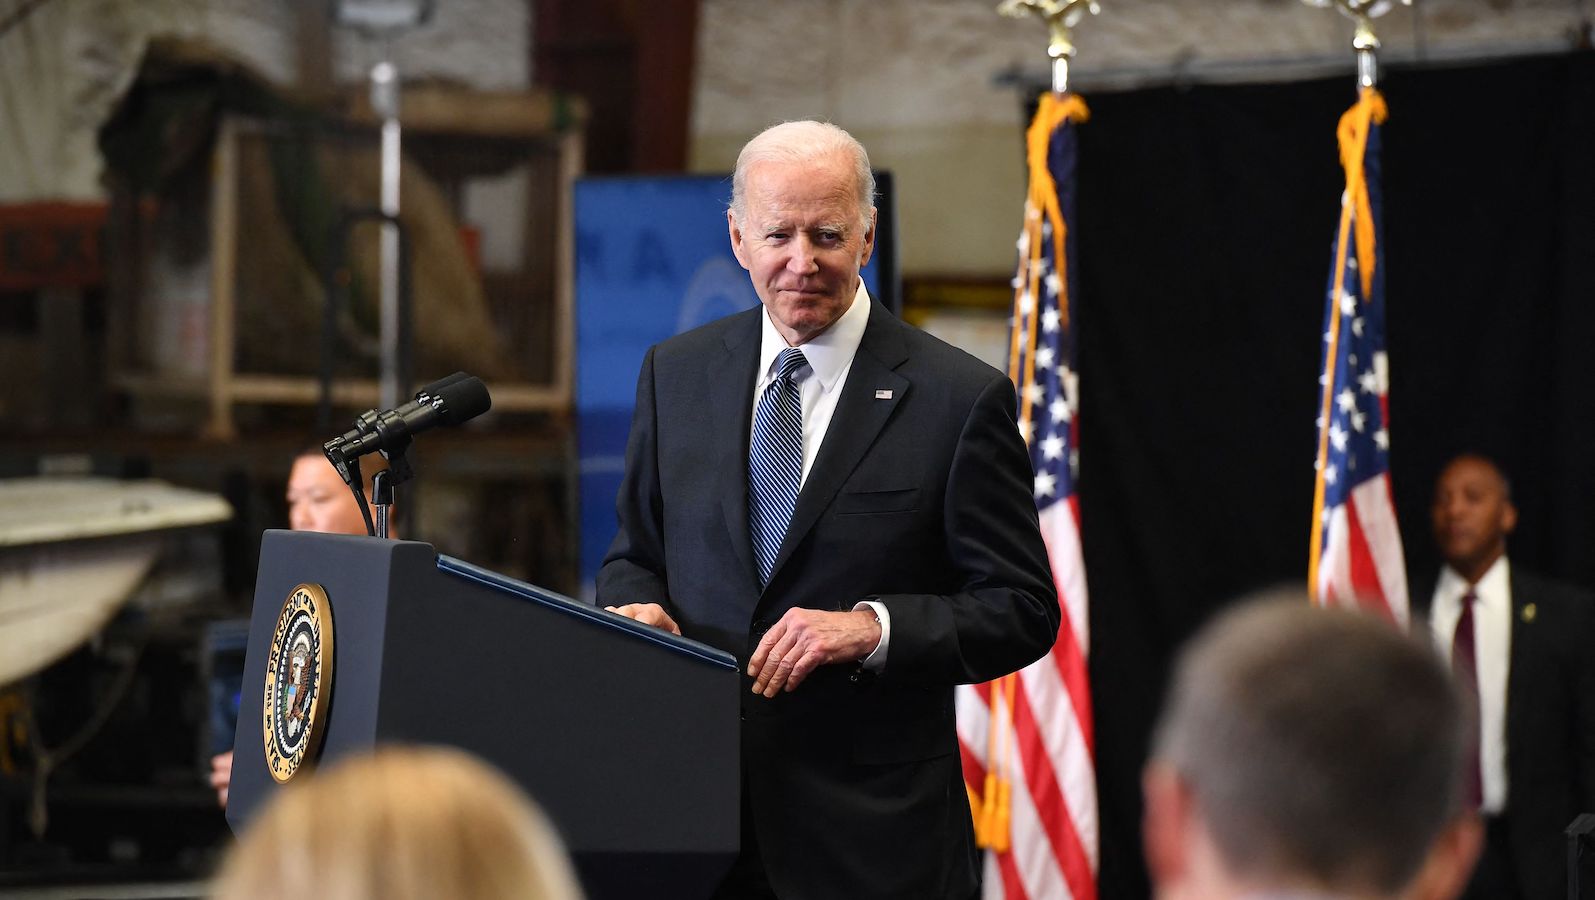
point(922, 500)
point(1550, 726)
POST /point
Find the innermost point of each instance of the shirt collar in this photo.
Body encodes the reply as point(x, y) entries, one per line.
point(831, 352)
point(1496, 583)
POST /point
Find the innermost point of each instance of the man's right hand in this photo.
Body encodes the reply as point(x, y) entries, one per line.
point(648, 614)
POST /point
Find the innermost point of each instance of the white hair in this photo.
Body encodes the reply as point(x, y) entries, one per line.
point(803, 141)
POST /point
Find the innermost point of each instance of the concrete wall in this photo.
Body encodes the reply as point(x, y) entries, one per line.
point(920, 83)
point(64, 66)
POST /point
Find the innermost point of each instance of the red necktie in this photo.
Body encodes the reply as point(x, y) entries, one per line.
point(1464, 665)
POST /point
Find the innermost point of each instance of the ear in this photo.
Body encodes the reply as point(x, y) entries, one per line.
point(1166, 825)
point(1449, 865)
point(736, 238)
point(1508, 518)
point(869, 240)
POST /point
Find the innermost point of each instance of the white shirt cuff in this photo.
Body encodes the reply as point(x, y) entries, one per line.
point(876, 661)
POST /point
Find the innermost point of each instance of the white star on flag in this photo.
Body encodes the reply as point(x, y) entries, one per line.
point(1046, 484)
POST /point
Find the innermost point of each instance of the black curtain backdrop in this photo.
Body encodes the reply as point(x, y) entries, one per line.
point(1205, 220)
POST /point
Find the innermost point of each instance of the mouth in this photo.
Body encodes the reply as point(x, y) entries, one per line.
point(798, 296)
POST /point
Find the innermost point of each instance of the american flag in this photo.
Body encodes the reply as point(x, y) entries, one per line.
point(1026, 739)
point(1356, 555)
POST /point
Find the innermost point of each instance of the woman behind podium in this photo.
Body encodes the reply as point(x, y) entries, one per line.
point(318, 500)
point(400, 823)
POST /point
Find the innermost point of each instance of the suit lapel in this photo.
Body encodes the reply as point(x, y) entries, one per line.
point(872, 391)
point(730, 393)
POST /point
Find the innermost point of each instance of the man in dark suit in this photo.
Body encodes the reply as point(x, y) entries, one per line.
point(844, 503)
point(1527, 646)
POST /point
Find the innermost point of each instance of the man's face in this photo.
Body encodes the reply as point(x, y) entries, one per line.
point(802, 242)
point(1472, 516)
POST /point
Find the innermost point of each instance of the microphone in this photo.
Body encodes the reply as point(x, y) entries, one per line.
point(366, 422)
point(449, 401)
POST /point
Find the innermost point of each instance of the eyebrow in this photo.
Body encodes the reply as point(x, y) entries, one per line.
point(773, 227)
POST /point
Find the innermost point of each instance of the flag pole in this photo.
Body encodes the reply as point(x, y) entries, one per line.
point(1026, 738)
point(1363, 40)
point(1061, 16)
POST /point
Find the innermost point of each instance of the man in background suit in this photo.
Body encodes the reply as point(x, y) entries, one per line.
point(1307, 753)
point(845, 504)
point(1526, 645)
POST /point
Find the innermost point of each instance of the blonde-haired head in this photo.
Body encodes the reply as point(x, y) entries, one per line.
point(400, 823)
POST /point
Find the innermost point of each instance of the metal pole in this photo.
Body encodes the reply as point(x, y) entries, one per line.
point(1060, 72)
point(1363, 40)
point(1367, 46)
point(385, 103)
point(1061, 16)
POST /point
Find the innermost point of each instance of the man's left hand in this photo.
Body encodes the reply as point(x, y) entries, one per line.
point(805, 639)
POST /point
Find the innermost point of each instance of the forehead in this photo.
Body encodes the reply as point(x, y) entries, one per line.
point(1470, 473)
point(817, 188)
point(311, 471)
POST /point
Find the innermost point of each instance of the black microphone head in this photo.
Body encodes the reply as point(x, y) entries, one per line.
point(437, 387)
point(463, 399)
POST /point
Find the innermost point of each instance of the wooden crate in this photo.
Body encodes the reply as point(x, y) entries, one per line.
point(457, 121)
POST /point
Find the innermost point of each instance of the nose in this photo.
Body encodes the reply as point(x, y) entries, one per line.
point(298, 517)
point(802, 262)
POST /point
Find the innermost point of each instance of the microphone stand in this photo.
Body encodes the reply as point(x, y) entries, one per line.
point(382, 501)
point(384, 483)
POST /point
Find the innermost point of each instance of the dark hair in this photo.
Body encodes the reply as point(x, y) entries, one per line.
point(370, 464)
point(1486, 459)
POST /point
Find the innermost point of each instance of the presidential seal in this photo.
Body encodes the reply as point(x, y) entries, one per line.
point(298, 681)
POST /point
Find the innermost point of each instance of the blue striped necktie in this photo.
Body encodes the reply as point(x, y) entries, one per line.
point(775, 461)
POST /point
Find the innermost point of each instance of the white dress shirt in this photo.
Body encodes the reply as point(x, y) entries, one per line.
point(1492, 650)
point(830, 357)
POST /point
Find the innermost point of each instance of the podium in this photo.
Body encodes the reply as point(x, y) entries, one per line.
point(627, 736)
